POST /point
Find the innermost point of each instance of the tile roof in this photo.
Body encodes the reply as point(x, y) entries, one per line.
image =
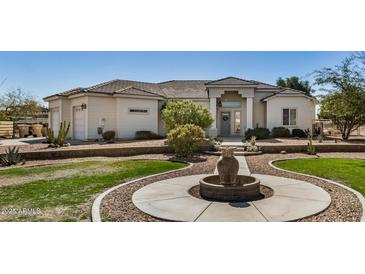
point(287, 91)
point(184, 89)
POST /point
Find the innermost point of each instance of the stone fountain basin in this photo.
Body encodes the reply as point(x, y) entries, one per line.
point(247, 188)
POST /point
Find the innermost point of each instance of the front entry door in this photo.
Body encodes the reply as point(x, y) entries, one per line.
point(225, 123)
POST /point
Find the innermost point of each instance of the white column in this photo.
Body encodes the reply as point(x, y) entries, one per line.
point(249, 109)
point(213, 111)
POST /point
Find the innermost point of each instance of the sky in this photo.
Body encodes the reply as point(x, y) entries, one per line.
point(45, 73)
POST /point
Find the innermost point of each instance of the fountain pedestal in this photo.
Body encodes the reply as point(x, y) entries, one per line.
point(228, 186)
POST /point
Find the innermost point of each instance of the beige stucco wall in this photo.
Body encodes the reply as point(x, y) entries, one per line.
point(128, 123)
point(100, 108)
point(259, 109)
point(305, 111)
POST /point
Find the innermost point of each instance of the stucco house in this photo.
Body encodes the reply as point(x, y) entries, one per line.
point(129, 106)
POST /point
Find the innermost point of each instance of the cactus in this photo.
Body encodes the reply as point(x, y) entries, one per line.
point(62, 135)
point(11, 157)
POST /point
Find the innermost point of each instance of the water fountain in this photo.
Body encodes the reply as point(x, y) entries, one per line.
point(228, 186)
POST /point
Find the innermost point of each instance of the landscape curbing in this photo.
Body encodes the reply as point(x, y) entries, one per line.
point(358, 194)
point(95, 209)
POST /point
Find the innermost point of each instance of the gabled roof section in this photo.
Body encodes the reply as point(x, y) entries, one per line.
point(67, 93)
point(232, 81)
point(287, 92)
point(136, 91)
point(186, 89)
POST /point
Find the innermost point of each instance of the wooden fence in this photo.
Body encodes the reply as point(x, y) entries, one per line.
point(6, 129)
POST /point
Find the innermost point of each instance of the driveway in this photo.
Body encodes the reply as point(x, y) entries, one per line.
point(21, 141)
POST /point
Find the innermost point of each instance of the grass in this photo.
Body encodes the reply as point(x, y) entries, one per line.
point(350, 172)
point(26, 171)
point(69, 198)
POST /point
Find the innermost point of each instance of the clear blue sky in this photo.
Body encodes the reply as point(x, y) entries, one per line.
point(45, 73)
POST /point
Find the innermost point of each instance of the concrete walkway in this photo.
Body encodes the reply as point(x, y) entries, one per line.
point(292, 200)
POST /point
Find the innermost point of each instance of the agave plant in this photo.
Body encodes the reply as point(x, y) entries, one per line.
point(11, 157)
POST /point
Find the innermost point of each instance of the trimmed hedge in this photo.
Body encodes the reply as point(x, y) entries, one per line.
point(259, 133)
point(297, 132)
point(146, 135)
point(280, 132)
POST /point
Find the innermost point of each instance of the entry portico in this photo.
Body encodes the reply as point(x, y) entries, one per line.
point(231, 104)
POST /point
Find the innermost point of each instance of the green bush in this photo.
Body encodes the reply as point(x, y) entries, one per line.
point(259, 133)
point(185, 112)
point(280, 132)
point(297, 132)
point(185, 139)
point(146, 135)
point(109, 135)
point(11, 157)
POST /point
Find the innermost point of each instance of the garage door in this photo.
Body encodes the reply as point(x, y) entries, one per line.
point(55, 121)
point(79, 123)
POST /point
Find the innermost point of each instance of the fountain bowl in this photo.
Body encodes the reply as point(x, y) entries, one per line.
point(246, 188)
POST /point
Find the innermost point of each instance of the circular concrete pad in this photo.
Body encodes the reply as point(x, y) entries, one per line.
point(292, 200)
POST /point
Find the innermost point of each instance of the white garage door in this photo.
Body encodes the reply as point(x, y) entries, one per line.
point(79, 123)
point(55, 121)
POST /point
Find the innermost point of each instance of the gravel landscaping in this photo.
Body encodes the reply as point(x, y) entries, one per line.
point(118, 206)
point(344, 206)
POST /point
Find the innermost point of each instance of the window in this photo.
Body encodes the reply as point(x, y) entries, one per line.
point(289, 116)
point(138, 110)
point(237, 122)
point(231, 104)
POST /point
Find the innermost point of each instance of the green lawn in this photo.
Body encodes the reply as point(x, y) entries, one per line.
point(65, 192)
point(350, 172)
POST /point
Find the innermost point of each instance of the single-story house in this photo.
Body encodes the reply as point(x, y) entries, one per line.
point(129, 106)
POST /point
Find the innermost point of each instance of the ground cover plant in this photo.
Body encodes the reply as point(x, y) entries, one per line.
point(65, 192)
point(350, 172)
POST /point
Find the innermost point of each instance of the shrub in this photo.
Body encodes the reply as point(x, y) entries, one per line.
point(109, 135)
point(186, 112)
point(297, 132)
point(62, 135)
point(146, 135)
point(280, 132)
point(216, 143)
point(259, 132)
point(11, 157)
point(184, 139)
point(253, 141)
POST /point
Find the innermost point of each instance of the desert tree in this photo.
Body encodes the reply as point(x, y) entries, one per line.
point(344, 102)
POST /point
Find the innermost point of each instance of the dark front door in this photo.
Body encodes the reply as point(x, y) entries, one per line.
point(225, 123)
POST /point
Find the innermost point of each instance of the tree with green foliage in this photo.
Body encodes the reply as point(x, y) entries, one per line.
point(345, 102)
point(185, 112)
point(17, 103)
point(294, 82)
point(345, 109)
